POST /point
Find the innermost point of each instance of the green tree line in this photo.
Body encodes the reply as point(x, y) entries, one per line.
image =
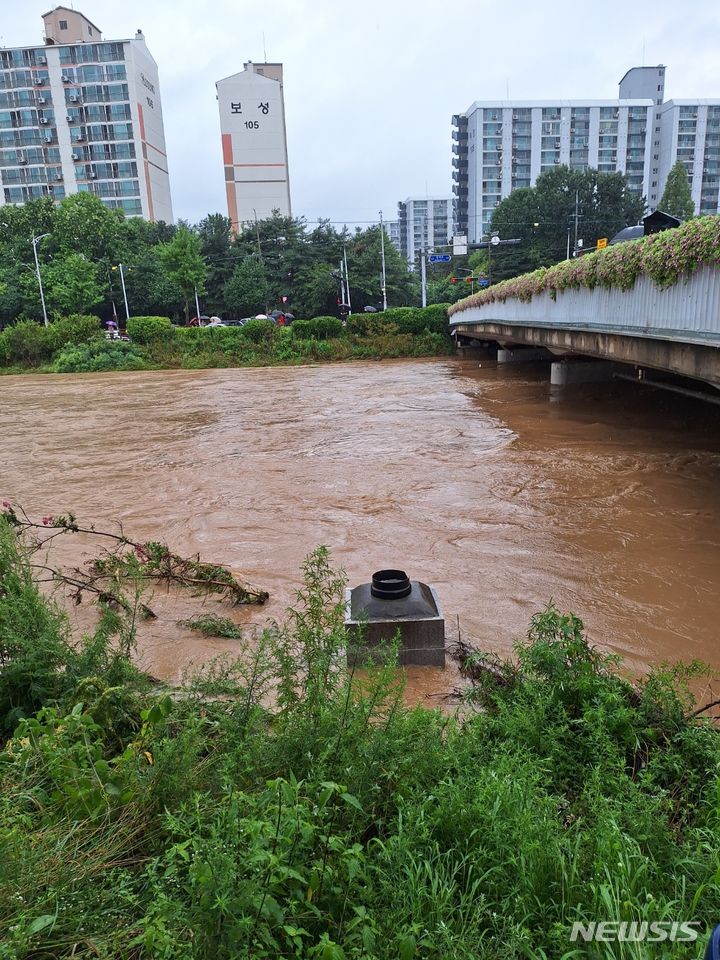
point(278, 262)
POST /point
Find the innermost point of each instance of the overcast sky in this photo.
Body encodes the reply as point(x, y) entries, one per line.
point(371, 86)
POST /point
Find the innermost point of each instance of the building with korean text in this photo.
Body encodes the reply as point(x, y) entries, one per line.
point(500, 146)
point(254, 143)
point(80, 113)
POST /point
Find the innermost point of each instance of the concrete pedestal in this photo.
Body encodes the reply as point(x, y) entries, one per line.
point(372, 627)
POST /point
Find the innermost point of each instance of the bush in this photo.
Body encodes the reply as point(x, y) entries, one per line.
point(98, 356)
point(147, 329)
point(77, 328)
point(258, 330)
point(27, 343)
point(318, 328)
point(413, 320)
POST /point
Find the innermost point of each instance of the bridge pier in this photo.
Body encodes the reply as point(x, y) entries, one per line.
point(522, 355)
point(563, 372)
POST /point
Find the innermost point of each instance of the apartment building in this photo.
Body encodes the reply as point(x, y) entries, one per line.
point(424, 223)
point(254, 143)
point(80, 113)
point(500, 146)
point(392, 229)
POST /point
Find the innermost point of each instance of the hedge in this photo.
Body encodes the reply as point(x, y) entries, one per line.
point(147, 329)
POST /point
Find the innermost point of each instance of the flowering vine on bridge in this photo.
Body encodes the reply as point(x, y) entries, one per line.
point(664, 257)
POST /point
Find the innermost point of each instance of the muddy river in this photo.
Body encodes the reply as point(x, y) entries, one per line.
point(500, 490)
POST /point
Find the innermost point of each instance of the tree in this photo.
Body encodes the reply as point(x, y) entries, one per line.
point(247, 291)
point(73, 284)
point(677, 197)
point(544, 217)
point(83, 224)
point(184, 265)
point(215, 232)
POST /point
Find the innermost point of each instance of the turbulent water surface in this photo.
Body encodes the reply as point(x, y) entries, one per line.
point(489, 484)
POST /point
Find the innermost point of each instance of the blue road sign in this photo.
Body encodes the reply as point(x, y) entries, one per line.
point(439, 258)
point(483, 282)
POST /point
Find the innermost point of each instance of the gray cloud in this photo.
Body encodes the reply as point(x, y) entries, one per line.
point(370, 87)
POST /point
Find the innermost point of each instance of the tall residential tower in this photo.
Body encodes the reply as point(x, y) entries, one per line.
point(79, 113)
point(254, 143)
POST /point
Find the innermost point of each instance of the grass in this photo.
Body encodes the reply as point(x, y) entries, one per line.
point(338, 823)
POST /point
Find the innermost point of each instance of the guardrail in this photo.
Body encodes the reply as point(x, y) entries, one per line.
point(688, 311)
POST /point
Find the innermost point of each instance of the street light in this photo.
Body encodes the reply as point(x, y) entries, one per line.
point(35, 241)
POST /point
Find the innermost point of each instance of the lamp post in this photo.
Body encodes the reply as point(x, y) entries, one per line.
point(35, 241)
point(122, 284)
point(382, 258)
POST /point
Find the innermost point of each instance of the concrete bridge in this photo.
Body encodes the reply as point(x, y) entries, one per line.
point(676, 330)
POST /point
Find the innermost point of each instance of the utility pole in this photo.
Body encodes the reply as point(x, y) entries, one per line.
point(347, 280)
point(382, 256)
point(577, 205)
point(423, 267)
point(122, 281)
point(35, 241)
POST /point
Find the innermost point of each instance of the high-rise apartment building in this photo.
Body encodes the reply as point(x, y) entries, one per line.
point(254, 143)
point(423, 224)
point(392, 229)
point(500, 146)
point(79, 113)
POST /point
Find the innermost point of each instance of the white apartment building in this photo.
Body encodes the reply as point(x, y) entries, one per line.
point(392, 229)
point(254, 143)
point(500, 146)
point(424, 223)
point(79, 113)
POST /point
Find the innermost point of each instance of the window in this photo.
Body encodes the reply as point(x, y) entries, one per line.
point(63, 24)
point(89, 29)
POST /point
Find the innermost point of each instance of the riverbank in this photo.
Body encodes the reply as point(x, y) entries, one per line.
point(77, 345)
point(339, 823)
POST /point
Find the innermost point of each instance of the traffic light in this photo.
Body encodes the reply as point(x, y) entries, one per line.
point(469, 279)
point(453, 279)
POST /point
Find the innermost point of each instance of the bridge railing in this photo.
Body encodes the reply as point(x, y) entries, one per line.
point(688, 311)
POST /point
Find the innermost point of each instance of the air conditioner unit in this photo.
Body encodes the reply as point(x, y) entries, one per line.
point(43, 120)
point(39, 81)
point(48, 138)
point(92, 176)
point(515, 117)
point(58, 176)
point(79, 138)
point(42, 60)
point(73, 98)
point(65, 78)
point(41, 100)
point(556, 160)
point(22, 160)
point(74, 156)
point(70, 119)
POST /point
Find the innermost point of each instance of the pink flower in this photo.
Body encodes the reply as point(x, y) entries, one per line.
point(6, 504)
point(47, 521)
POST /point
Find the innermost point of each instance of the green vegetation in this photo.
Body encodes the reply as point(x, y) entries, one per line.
point(213, 626)
point(542, 216)
point(77, 345)
point(663, 257)
point(677, 197)
point(338, 823)
point(147, 329)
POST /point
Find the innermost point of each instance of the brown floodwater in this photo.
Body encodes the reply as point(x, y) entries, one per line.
point(500, 490)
